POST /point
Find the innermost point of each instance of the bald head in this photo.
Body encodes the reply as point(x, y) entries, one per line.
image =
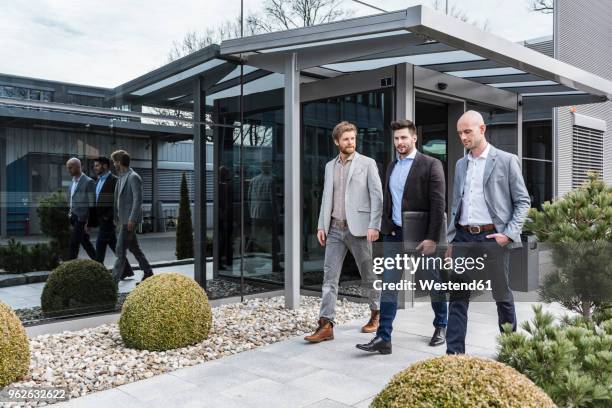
point(471, 130)
point(74, 167)
point(472, 118)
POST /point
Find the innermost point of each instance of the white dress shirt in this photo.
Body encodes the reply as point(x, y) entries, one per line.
point(474, 209)
point(73, 187)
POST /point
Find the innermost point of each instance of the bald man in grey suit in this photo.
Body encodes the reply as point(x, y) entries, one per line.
point(490, 204)
point(81, 196)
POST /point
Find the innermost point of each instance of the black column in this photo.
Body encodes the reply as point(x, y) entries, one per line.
point(199, 167)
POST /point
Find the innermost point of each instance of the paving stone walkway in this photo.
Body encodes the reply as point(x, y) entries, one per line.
point(295, 374)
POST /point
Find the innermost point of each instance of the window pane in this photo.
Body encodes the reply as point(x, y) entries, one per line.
point(538, 178)
point(537, 139)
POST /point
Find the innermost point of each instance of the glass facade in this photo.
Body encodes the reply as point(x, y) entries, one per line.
point(250, 191)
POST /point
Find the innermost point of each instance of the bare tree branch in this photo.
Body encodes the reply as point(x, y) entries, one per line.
point(460, 14)
point(288, 14)
point(542, 6)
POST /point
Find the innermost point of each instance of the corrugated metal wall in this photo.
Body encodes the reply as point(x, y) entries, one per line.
point(583, 38)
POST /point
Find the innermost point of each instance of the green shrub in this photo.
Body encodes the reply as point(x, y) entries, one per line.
point(53, 213)
point(579, 229)
point(165, 312)
point(14, 257)
point(184, 229)
point(78, 286)
point(18, 258)
point(14, 347)
point(43, 257)
point(571, 361)
point(460, 381)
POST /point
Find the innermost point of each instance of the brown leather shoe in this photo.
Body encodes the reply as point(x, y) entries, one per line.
point(372, 325)
point(325, 331)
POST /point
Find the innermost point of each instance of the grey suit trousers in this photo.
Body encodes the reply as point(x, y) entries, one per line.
point(339, 241)
point(128, 240)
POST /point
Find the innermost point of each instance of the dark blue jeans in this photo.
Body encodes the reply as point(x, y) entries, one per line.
point(496, 269)
point(388, 298)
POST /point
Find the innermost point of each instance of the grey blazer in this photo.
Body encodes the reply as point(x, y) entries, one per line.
point(128, 198)
point(505, 194)
point(84, 198)
point(363, 198)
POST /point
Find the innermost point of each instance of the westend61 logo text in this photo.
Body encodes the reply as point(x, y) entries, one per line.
point(405, 262)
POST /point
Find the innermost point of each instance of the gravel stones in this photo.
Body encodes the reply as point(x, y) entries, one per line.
point(95, 359)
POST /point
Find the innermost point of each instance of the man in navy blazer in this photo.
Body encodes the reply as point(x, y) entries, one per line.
point(490, 204)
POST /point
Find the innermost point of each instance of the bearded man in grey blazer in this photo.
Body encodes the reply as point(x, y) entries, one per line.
point(490, 204)
point(349, 220)
point(128, 213)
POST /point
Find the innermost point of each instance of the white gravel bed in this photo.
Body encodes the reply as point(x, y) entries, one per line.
point(95, 359)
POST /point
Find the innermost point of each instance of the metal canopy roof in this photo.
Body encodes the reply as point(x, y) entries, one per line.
point(417, 35)
point(423, 37)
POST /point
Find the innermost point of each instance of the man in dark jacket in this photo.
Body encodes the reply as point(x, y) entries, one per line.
point(413, 182)
point(104, 219)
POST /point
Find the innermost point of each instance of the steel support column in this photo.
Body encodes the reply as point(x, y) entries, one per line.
point(154, 184)
point(293, 184)
point(404, 109)
point(519, 129)
point(3, 187)
point(199, 167)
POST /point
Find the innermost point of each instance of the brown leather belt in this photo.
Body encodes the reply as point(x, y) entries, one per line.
point(477, 229)
point(339, 223)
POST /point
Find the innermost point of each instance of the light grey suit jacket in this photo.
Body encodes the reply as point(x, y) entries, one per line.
point(363, 197)
point(505, 194)
point(83, 199)
point(128, 198)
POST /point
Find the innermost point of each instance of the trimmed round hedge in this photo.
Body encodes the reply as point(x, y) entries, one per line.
point(78, 286)
point(14, 347)
point(165, 312)
point(461, 381)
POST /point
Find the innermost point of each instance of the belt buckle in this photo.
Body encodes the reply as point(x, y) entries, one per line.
point(474, 229)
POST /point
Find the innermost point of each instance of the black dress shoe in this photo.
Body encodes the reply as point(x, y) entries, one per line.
point(377, 344)
point(145, 276)
point(439, 337)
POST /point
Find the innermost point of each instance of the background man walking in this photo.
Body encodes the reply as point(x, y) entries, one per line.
point(349, 220)
point(490, 204)
point(128, 213)
point(81, 203)
point(104, 219)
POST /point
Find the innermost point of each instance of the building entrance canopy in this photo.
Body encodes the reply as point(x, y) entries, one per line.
point(422, 37)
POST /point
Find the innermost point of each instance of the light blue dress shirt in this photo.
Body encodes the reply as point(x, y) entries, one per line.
point(100, 184)
point(397, 182)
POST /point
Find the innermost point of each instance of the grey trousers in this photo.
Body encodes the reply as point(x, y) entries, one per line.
point(339, 240)
point(128, 240)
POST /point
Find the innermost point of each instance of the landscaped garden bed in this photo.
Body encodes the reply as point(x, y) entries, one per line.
point(96, 359)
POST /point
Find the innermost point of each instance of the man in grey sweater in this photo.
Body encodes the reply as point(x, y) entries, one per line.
point(128, 213)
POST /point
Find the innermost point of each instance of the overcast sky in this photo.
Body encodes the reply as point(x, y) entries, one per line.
point(109, 42)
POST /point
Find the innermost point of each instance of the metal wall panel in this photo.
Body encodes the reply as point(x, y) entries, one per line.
point(583, 31)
